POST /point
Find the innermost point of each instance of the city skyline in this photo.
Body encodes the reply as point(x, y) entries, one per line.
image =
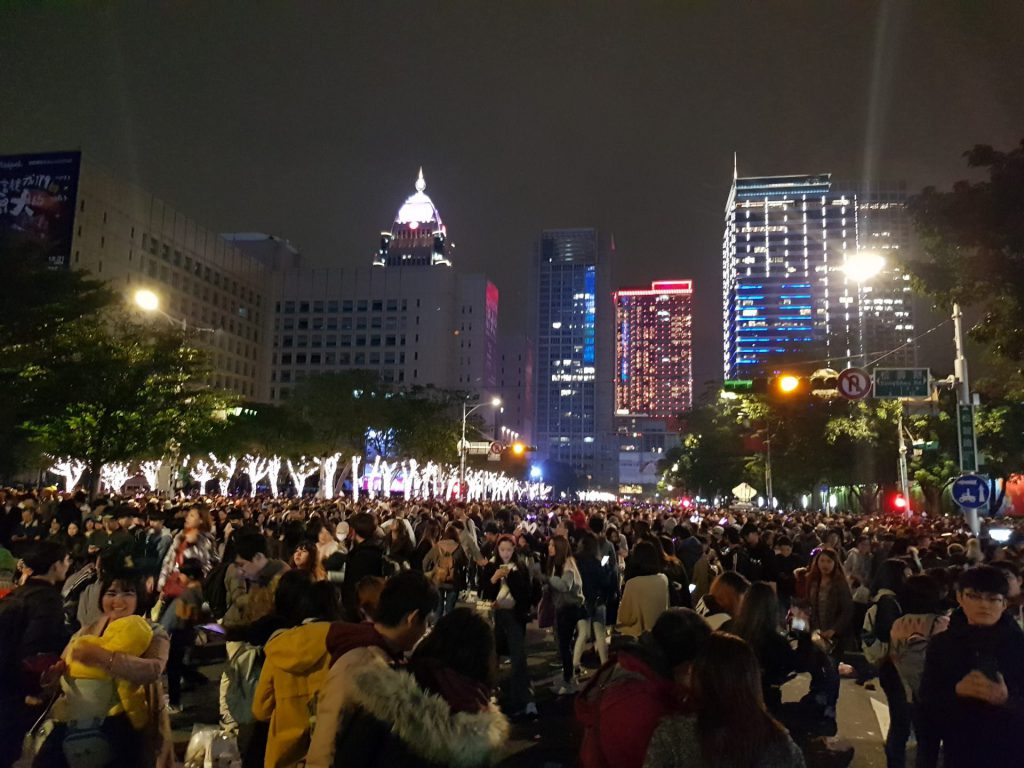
point(300, 126)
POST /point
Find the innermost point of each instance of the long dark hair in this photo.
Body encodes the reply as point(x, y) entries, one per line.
point(733, 726)
point(563, 551)
point(758, 619)
point(464, 642)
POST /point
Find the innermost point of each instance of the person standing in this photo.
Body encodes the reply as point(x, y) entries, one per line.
point(972, 689)
point(32, 635)
point(566, 587)
point(645, 596)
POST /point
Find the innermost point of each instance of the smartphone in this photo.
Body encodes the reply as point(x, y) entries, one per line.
point(604, 560)
point(798, 624)
point(988, 666)
point(693, 588)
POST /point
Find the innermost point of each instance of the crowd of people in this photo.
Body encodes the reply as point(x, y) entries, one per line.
point(370, 633)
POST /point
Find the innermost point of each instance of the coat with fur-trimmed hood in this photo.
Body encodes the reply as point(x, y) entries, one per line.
point(398, 724)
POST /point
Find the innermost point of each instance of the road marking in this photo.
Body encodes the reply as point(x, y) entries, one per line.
point(881, 715)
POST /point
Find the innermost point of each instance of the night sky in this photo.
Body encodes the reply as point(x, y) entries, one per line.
point(309, 120)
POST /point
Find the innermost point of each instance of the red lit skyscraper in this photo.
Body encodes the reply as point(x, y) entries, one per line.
point(653, 349)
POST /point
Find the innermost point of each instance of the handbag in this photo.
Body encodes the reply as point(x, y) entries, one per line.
point(36, 737)
point(546, 611)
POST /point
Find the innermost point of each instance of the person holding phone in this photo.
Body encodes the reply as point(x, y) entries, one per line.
point(972, 688)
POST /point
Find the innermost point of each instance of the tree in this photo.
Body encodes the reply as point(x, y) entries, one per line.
point(337, 409)
point(39, 308)
point(973, 241)
point(129, 391)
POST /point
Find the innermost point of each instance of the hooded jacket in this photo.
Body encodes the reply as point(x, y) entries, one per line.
point(396, 723)
point(293, 673)
point(351, 648)
point(975, 732)
point(620, 708)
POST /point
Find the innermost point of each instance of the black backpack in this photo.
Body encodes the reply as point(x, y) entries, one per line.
point(215, 590)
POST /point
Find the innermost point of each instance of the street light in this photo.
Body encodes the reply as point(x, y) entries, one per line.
point(496, 403)
point(864, 265)
point(149, 301)
point(789, 383)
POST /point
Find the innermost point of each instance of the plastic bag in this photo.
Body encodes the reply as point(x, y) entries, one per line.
point(210, 747)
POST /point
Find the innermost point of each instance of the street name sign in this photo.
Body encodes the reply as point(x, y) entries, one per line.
point(968, 438)
point(895, 383)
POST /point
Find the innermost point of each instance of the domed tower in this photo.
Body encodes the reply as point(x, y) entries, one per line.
point(418, 237)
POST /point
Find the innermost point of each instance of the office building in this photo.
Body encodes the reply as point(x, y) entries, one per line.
point(88, 219)
point(642, 443)
point(572, 323)
point(653, 349)
point(787, 245)
point(410, 315)
point(515, 386)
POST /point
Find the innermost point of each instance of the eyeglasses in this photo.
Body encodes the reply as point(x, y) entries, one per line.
point(983, 597)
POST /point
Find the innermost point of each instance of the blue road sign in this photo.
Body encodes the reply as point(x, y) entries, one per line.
point(970, 491)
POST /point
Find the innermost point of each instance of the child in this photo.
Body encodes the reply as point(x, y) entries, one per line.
point(180, 620)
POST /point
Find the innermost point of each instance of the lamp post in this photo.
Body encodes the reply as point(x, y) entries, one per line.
point(496, 403)
point(149, 301)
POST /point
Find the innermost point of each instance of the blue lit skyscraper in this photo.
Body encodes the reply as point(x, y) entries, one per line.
point(572, 323)
point(786, 299)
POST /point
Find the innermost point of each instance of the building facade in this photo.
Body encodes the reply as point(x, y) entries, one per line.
point(409, 316)
point(573, 329)
point(654, 349)
point(787, 298)
point(125, 235)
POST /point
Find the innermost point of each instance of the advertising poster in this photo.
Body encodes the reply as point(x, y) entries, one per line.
point(37, 203)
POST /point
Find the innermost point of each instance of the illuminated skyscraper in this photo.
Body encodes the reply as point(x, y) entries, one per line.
point(572, 328)
point(653, 349)
point(418, 236)
point(786, 299)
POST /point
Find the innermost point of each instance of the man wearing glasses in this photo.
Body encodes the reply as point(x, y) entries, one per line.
point(972, 691)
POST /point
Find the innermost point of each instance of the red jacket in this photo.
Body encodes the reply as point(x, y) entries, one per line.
point(620, 708)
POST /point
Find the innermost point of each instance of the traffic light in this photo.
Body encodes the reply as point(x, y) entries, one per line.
point(518, 448)
point(788, 386)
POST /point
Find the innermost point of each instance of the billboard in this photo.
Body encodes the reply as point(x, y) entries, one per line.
point(37, 202)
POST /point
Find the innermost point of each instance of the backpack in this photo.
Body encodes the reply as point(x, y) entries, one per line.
point(243, 675)
point(215, 590)
point(909, 655)
point(875, 650)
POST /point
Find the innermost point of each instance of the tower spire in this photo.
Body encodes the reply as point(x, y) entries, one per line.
point(421, 183)
point(735, 167)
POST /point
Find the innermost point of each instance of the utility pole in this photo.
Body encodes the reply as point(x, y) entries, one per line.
point(904, 480)
point(965, 409)
point(768, 464)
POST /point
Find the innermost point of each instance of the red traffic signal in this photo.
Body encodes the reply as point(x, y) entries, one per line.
point(900, 503)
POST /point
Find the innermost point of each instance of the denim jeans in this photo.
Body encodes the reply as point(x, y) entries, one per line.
point(508, 626)
point(447, 600)
point(565, 623)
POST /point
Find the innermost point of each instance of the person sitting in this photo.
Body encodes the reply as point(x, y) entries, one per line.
point(731, 727)
point(722, 603)
point(438, 713)
point(622, 704)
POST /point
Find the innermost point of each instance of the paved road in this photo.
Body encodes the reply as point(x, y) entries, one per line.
point(551, 740)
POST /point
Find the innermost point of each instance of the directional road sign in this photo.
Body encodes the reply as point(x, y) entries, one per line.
point(854, 384)
point(970, 491)
point(968, 439)
point(893, 383)
point(744, 492)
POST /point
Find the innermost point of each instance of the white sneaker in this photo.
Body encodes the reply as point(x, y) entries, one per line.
point(567, 689)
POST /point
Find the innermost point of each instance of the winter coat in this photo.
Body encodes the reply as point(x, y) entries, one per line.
point(293, 673)
point(518, 585)
point(245, 608)
point(352, 648)
point(644, 599)
point(364, 559)
point(598, 581)
point(202, 549)
point(714, 615)
point(396, 723)
point(32, 635)
point(676, 742)
point(973, 732)
point(622, 705)
point(567, 589)
point(837, 613)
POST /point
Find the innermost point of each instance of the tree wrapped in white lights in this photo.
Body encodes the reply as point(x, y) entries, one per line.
point(371, 479)
point(301, 471)
point(225, 470)
point(355, 477)
point(201, 473)
point(70, 469)
point(114, 475)
point(255, 467)
point(273, 473)
point(151, 471)
point(328, 471)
